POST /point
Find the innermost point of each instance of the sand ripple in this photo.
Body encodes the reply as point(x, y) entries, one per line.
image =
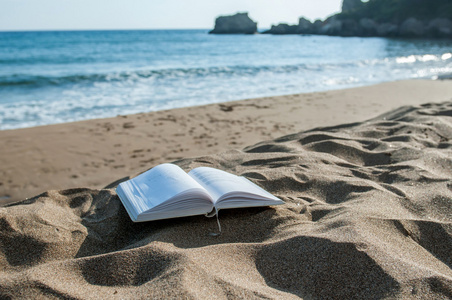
point(368, 215)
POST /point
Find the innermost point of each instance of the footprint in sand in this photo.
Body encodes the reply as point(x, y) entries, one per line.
point(128, 125)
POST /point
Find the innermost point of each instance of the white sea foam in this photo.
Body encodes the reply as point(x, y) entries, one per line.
point(446, 56)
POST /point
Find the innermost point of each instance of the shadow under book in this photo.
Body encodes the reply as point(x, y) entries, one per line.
point(166, 191)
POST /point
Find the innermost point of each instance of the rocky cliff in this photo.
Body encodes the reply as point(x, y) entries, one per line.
point(385, 18)
point(235, 24)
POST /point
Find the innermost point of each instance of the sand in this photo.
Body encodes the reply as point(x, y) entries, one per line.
point(97, 152)
point(367, 185)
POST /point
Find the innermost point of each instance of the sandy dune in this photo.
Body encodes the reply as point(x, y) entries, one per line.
point(368, 215)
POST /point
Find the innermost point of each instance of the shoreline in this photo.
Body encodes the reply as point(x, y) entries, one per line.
point(438, 78)
point(94, 153)
point(444, 77)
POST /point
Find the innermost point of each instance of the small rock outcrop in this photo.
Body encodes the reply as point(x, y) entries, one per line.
point(282, 28)
point(305, 26)
point(239, 23)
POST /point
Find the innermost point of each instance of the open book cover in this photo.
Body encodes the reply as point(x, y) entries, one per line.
point(166, 191)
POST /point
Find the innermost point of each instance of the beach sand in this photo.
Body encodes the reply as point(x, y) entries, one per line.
point(95, 153)
point(366, 175)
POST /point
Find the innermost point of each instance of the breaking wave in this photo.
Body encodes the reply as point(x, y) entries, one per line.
point(156, 71)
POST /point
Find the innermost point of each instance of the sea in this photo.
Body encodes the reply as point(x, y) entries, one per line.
point(52, 77)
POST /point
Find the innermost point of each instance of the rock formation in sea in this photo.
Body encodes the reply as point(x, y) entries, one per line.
point(384, 18)
point(283, 28)
point(235, 24)
point(305, 26)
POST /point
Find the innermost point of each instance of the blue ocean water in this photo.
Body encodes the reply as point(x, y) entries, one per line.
point(62, 76)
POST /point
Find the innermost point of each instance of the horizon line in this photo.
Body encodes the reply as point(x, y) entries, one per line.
point(106, 29)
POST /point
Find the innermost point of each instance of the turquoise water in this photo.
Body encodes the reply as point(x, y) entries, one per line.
point(62, 76)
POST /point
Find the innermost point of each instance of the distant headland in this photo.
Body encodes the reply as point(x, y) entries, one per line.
point(375, 18)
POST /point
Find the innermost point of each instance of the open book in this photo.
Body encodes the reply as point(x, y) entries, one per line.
point(166, 191)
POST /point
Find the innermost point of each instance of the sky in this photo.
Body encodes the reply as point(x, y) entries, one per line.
point(153, 14)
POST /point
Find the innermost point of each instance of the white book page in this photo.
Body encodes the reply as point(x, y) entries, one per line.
point(220, 183)
point(162, 183)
